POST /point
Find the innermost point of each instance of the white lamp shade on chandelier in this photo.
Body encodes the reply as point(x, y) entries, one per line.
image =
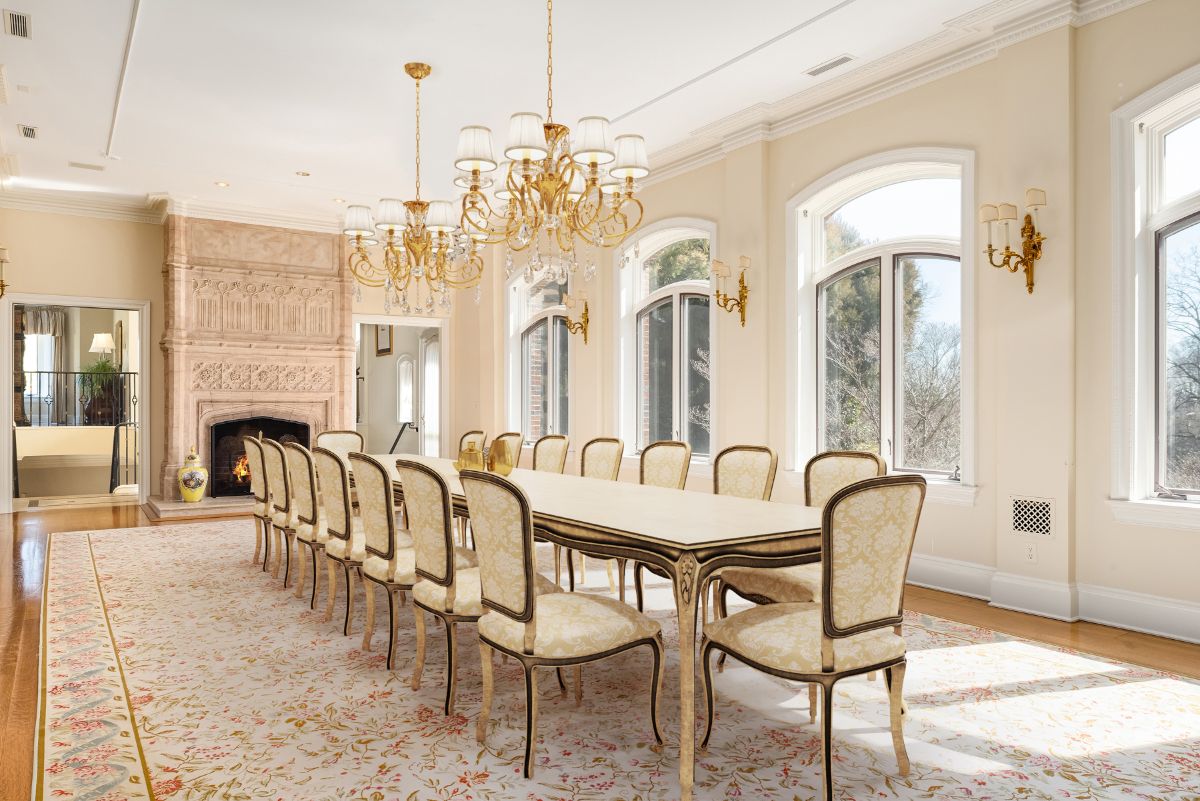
point(359, 221)
point(440, 217)
point(526, 137)
point(631, 161)
point(475, 149)
point(593, 142)
point(391, 215)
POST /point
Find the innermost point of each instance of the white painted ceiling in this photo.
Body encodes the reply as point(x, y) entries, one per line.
point(251, 92)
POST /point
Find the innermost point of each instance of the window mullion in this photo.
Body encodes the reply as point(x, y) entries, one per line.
point(889, 317)
point(677, 379)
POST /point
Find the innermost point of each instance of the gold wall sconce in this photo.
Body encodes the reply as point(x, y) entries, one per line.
point(1031, 238)
point(726, 301)
point(579, 326)
point(3, 261)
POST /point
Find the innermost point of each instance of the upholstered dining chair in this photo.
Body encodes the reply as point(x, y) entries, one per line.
point(310, 519)
point(601, 459)
point(664, 464)
point(344, 543)
point(343, 443)
point(262, 508)
point(477, 437)
point(447, 577)
point(514, 441)
point(553, 630)
point(550, 453)
point(867, 533)
point(388, 559)
point(283, 511)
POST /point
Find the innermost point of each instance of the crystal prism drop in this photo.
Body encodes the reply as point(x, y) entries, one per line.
point(589, 272)
point(523, 234)
point(478, 295)
point(357, 292)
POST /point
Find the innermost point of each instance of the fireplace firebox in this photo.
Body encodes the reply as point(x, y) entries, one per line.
point(229, 473)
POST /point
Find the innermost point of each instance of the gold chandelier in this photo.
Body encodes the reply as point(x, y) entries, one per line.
point(558, 195)
point(425, 254)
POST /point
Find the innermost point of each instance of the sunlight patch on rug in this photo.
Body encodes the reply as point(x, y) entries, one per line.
point(239, 691)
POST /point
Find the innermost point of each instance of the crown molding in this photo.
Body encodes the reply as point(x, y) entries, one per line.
point(250, 215)
point(963, 42)
point(129, 208)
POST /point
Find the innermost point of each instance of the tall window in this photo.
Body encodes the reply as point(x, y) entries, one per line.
point(539, 356)
point(431, 393)
point(888, 325)
point(666, 289)
point(1175, 220)
point(405, 390)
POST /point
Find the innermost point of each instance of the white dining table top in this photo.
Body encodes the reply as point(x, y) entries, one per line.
point(676, 517)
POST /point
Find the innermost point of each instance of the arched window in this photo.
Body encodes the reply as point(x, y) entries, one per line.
point(1157, 259)
point(538, 357)
point(880, 301)
point(666, 350)
point(405, 390)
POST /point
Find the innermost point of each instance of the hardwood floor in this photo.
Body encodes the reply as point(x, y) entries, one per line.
point(22, 564)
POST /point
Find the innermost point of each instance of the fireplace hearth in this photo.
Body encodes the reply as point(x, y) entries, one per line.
point(229, 472)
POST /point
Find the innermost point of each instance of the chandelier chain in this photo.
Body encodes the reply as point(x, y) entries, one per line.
point(549, 60)
point(418, 82)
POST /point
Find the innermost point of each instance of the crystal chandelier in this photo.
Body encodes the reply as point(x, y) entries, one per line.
point(424, 253)
point(558, 196)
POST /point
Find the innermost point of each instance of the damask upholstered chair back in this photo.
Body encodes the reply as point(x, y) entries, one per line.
point(503, 526)
point(828, 472)
point(258, 478)
point(279, 484)
point(376, 506)
point(514, 440)
point(550, 454)
point(334, 483)
point(665, 464)
point(745, 471)
point(478, 437)
point(601, 458)
point(867, 533)
point(303, 476)
point(427, 499)
point(343, 443)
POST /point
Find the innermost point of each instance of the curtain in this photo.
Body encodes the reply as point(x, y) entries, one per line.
point(52, 321)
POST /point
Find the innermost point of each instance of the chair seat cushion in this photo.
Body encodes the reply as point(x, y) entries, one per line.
point(312, 532)
point(787, 637)
point(783, 585)
point(260, 509)
point(403, 567)
point(281, 519)
point(467, 602)
point(571, 625)
point(353, 550)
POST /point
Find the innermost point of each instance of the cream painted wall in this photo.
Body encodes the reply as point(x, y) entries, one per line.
point(77, 256)
point(1118, 59)
point(1035, 115)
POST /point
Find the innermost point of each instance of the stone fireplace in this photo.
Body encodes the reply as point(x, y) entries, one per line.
point(228, 467)
point(258, 325)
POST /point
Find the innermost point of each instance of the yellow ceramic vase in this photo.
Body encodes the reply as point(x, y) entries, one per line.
point(193, 478)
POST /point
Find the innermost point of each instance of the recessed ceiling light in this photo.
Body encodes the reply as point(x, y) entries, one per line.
point(223, 184)
point(339, 200)
point(303, 174)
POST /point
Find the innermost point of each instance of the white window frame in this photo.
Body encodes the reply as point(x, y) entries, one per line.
point(1138, 129)
point(631, 300)
point(408, 415)
point(805, 249)
point(518, 325)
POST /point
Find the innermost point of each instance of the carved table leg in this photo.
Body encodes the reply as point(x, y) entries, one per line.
point(686, 597)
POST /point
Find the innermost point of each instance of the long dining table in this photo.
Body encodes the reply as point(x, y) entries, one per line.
point(688, 535)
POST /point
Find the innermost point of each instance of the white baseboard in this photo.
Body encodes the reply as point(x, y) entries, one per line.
point(951, 575)
point(1151, 614)
point(1036, 596)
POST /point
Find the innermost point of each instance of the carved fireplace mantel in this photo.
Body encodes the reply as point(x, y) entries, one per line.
point(258, 323)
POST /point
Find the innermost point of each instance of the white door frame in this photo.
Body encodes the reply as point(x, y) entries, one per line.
point(145, 377)
point(443, 326)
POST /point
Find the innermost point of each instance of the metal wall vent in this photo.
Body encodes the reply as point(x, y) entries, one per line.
point(79, 165)
point(1032, 516)
point(16, 24)
point(27, 131)
point(830, 65)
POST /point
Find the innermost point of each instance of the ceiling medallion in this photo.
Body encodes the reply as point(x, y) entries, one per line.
point(424, 254)
point(559, 194)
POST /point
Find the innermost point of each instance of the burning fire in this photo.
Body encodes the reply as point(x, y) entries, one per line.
point(241, 470)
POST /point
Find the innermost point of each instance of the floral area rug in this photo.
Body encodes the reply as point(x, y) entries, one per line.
point(174, 668)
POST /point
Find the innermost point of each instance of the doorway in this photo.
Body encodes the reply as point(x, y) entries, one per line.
point(399, 386)
point(77, 403)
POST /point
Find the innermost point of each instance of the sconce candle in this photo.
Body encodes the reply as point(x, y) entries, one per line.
point(729, 303)
point(579, 326)
point(1031, 238)
point(3, 261)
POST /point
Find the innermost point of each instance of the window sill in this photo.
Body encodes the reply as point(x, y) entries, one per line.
point(1184, 515)
point(950, 493)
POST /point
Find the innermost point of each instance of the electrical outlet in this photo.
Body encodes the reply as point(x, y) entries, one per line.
point(1029, 550)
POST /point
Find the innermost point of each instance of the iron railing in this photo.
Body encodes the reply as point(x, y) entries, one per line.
point(55, 398)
